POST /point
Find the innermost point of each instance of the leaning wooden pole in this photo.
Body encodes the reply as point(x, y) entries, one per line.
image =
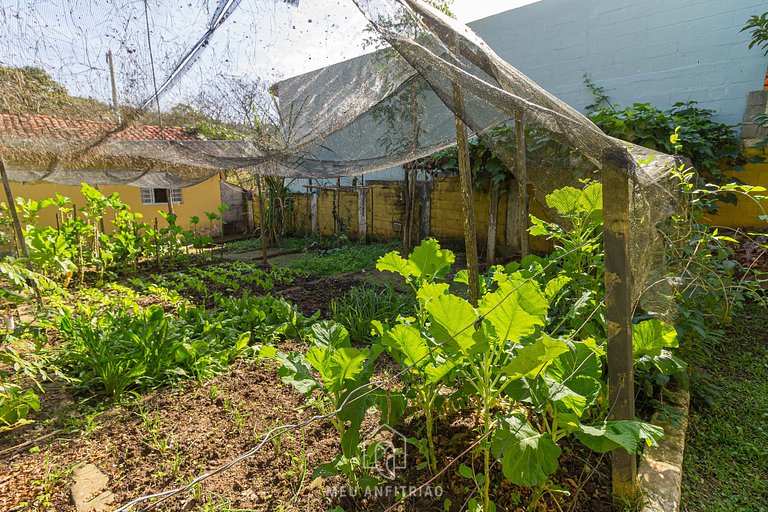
point(261, 222)
point(21, 242)
point(465, 179)
point(618, 311)
point(522, 187)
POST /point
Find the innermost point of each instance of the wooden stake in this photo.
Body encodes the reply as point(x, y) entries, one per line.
point(362, 214)
point(425, 208)
point(512, 235)
point(313, 210)
point(21, 242)
point(465, 178)
point(261, 222)
point(493, 217)
point(169, 192)
point(522, 190)
point(338, 207)
point(406, 223)
point(618, 312)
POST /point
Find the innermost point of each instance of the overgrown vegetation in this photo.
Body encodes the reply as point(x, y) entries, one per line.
point(81, 242)
point(712, 147)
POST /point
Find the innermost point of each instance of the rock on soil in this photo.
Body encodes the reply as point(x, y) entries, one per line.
point(89, 491)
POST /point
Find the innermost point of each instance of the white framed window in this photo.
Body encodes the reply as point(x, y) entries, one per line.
point(160, 195)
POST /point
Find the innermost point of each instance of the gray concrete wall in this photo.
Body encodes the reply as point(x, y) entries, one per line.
point(641, 51)
point(657, 51)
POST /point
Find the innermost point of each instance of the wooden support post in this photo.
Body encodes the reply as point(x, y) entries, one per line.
point(313, 210)
point(21, 244)
point(522, 190)
point(493, 218)
point(362, 214)
point(261, 222)
point(337, 207)
point(169, 193)
point(425, 208)
point(465, 178)
point(18, 232)
point(618, 312)
point(406, 223)
point(512, 234)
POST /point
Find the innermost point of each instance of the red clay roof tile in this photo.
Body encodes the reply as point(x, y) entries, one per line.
point(42, 126)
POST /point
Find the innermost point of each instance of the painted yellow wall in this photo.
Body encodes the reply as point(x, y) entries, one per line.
point(745, 214)
point(385, 213)
point(196, 200)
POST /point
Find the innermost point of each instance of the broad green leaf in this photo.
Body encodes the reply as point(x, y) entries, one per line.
point(582, 358)
point(554, 286)
point(650, 336)
point(530, 361)
point(294, 371)
point(527, 456)
point(514, 309)
point(565, 200)
point(429, 291)
point(393, 262)
point(407, 340)
point(438, 371)
point(453, 320)
point(429, 261)
point(609, 435)
point(345, 364)
point(591, 201)
point(329, 334)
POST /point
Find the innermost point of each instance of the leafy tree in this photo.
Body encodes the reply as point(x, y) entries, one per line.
point(758, 27)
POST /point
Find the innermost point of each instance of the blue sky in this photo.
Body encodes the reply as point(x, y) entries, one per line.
point(267, 39)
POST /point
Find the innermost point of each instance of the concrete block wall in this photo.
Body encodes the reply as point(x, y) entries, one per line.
point(657, 51)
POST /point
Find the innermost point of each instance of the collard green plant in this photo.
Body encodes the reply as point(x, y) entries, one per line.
point(342, 374)
point(500, 357)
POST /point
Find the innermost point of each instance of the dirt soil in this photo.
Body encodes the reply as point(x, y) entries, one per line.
point(167, 438)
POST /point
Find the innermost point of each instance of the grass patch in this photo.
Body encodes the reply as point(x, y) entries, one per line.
point(363, 304)
point(726, 455)
point(347, 258)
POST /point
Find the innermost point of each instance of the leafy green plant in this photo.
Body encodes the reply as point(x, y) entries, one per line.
point(712, 147)
point(341, 373)
point(500, 358)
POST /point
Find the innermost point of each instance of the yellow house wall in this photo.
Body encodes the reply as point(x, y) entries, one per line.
point(196, 200)
point(746, 213)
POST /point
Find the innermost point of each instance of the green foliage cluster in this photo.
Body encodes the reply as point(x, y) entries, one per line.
point(757, 25)
point(79, 242)
point(360, 306)
point(535, 379)
point(122, 349)
point(338, 260)
point(712, 147)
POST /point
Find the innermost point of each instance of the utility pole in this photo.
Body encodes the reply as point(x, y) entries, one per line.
point(115, 106)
